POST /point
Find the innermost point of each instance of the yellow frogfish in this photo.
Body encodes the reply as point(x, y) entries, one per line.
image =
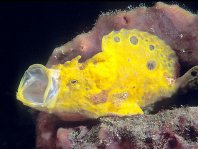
point(134, 69)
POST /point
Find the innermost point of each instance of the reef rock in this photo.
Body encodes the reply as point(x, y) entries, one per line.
point(169, 129)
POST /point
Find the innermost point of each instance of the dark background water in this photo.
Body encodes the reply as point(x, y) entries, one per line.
point(29, 31)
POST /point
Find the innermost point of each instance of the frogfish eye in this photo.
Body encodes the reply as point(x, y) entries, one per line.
point(38, 85)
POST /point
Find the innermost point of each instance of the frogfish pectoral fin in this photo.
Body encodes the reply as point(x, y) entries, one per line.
point(128, 108)
point(38, 86)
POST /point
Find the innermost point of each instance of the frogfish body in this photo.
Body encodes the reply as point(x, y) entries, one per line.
point(134, 69)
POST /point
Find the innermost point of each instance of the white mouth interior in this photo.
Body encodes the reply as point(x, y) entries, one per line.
point(35, 85)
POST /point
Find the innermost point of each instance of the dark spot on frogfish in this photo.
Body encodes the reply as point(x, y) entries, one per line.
point(151, 47)
point(134, 40)
point(116, 39)
point(151, 65)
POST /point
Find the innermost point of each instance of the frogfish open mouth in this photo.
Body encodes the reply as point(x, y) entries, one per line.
point(133, 69)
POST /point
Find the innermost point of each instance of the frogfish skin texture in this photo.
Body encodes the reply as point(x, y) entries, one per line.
point(134, 69)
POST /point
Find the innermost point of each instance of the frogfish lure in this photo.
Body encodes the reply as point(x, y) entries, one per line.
point(133, 69)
